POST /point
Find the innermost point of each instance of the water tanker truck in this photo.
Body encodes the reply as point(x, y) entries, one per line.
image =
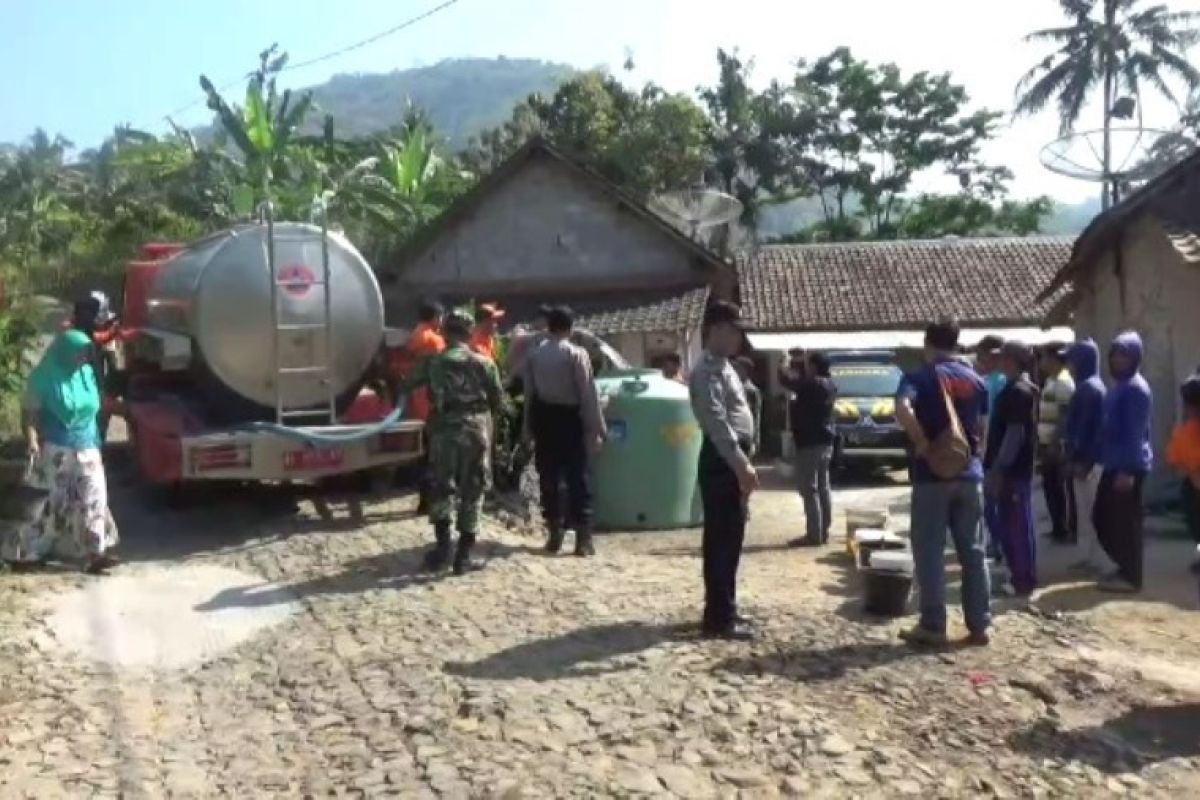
point(246, 354)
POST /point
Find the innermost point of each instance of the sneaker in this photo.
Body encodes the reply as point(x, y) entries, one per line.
point(919, 636)
point(978, 639)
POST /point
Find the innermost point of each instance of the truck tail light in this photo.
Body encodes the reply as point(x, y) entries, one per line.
point(214, 457)
point(399, 442)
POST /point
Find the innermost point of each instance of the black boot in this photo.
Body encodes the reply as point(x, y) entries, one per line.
point(583, 542)
point(463, 563)
point(439, 554)
point(555, 541)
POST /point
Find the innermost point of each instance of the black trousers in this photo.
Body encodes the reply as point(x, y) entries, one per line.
point(724, 533)
point(560, 456)
point(1191, 508)
point(1118, 520)
point(1060, 499)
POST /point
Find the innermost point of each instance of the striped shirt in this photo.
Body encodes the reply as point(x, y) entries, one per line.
point(1052, 409)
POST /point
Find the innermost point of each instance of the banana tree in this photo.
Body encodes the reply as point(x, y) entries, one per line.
point(264, 130)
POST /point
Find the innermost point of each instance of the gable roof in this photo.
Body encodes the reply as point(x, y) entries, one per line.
point(535, 148)
point(899, 284)
point(1173, 198)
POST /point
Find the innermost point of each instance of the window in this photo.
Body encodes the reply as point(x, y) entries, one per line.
point(866, 380)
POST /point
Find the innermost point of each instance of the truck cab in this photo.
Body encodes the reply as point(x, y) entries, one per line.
point(865, 410)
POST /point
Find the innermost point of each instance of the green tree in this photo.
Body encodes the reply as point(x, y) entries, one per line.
point(264, 130)
point(742, 163)
point(1116, 47)
point(864, 132)
point(645, 141)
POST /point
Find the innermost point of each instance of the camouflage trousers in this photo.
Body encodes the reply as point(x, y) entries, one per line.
point(460, 470)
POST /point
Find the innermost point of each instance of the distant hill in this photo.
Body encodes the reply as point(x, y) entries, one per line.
point(1071, 218)
point(462, 96)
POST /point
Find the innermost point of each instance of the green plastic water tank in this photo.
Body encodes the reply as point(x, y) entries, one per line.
point(645, 475)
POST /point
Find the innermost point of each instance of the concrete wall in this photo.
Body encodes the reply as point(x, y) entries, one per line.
point(545, 225)
point(1162, 303)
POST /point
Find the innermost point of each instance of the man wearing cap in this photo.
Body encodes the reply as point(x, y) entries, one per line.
point(466, 394)
point(1008, 464)
point(725, 472)
point(483, 338)
point(563, 418)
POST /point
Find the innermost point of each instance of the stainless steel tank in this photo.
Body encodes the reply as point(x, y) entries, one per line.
point(217, 292)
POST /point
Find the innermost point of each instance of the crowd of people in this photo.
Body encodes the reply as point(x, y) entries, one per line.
point(978, 432)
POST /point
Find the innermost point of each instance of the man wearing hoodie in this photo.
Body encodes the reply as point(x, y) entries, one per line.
point(1126, 458)
point(1081, 443)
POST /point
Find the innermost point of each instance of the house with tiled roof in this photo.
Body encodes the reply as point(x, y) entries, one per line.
point(863, 295)
point(544, 228)
point(1137, 266)
point(881, 295)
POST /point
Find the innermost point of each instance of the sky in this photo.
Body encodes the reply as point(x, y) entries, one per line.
point(78, 67)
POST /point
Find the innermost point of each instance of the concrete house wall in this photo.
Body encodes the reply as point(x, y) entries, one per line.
point(1162, 302)
point(550, 230)
point(546, 228)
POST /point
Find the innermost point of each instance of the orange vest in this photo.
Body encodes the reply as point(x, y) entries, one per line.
point(423, 343)
point(1183, 451)
point(483, 343)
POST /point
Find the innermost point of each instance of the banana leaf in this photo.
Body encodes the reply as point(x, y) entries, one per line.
point(258, 121)
point(231, 122)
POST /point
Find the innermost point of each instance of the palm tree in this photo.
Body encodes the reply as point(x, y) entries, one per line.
point(1116, 46)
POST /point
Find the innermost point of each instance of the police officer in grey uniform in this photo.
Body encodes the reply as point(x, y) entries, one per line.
point(563, 418)
point(725, 472)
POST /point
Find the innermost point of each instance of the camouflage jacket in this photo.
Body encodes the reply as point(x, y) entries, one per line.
point(462, 384)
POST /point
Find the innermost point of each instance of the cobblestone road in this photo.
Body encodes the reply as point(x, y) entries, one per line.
point(561, 677)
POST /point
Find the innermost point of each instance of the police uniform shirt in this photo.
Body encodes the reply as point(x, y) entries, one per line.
point(560, 373)
point(720, 405)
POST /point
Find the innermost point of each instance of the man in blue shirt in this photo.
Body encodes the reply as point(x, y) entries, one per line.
point(923, 407)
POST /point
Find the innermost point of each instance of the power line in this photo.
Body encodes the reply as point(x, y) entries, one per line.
point(408, 23)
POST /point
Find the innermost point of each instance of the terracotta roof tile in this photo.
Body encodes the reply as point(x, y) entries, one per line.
point(607, 313)
point(882, 285)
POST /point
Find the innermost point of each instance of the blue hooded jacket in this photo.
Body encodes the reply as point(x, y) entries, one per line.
point(1127, 413)
point(1085, 413)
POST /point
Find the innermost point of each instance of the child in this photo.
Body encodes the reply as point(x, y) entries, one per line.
point(1183, 454)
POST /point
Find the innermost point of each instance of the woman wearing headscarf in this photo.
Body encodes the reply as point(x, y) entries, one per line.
point(62, 400)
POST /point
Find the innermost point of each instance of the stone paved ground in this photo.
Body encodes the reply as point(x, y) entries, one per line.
point(559, 677)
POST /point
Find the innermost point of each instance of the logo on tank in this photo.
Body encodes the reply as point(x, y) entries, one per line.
point(679, 435)
point(296, 279)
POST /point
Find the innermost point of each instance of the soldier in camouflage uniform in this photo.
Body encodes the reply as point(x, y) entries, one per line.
point(466, 395)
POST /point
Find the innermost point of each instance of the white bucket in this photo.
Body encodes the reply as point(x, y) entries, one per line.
point(892, 561)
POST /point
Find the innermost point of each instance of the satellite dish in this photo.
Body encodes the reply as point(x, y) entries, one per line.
point(692, 210)
point(1081, 155)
